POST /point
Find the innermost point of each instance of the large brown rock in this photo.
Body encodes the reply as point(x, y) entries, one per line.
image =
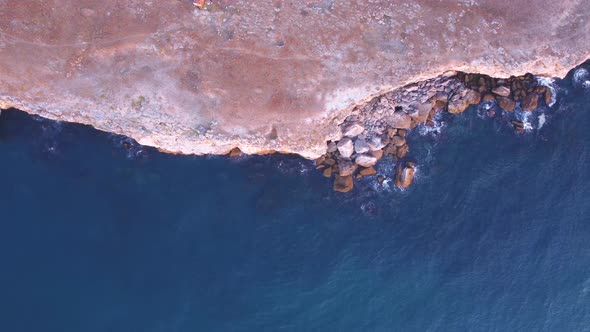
point(506, 103)
point(346, 167)
point(530, 102)
point(343, 184)
point(261, 75)
point(405, 175)
point(459, 103)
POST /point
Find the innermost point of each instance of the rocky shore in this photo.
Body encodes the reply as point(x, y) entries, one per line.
point(269, 76)
point(377, 129)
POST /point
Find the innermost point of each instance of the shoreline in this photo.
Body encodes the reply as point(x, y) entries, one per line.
point(376, 128)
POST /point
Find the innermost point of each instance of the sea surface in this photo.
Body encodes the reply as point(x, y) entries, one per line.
point(98, 233)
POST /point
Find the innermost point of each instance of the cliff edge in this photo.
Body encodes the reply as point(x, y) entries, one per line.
point(207, 76)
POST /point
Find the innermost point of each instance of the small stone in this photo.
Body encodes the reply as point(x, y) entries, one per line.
point(380, 179)
point(502, 91)
point(491, 113)
point(506, 104)
point(327, 172)
point(320, 160)
point(345, 147)
point(365, 160)
point(361, 146)
point(402, 132)
point(398, 140)
point(530, 102)
point(346, 167)
point(343, 184)
point(368, 171)
point(352, 129)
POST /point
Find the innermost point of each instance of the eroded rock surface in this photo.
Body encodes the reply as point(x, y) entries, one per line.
point(265, 75)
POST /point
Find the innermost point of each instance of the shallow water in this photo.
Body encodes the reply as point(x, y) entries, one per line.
point(99, 234)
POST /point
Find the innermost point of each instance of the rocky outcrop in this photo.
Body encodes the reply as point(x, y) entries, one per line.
point(266, 75)
point(386, 119)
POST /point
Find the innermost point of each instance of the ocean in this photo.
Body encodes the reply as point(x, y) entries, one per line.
point(98, 233)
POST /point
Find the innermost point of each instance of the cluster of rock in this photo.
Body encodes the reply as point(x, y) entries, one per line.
point(378, 128)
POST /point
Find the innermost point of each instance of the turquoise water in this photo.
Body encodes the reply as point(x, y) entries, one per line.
point(99, 234)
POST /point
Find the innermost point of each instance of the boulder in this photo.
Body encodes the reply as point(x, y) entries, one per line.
point(547, 96)
point(502, 91)
point(352, 129)
point(457, 106)
point(366, 160)
point(391, 132)
point(346, 167)
point(361, 146)
point(343, 184)
point(399, 119)
point(390, 149)
point(329, 161)
point(459, 103)
point(377, 154)
point(489, 97)
point(327, 172)
point(506, 104)
point(235, 152)
point(398, 140)
point(375, 143)
point(402, 151)
point(405, 176)
point(345, 147)
point(472, 97)
point(529, 102)
point(368, 171)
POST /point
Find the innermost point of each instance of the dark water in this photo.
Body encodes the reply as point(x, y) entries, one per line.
point(99, 234)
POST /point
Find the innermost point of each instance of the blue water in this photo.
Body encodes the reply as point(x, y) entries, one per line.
point(100, 234)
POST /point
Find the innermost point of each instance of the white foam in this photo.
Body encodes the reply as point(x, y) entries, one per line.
point(582, 78)
point(550, 84)
point(526, 122)
point(542, 120)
